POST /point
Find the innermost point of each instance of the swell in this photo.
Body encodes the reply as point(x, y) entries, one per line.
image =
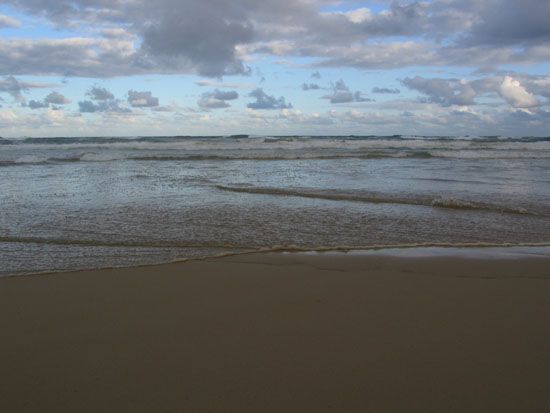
point(113, 243)
point(203, 157)
point(374, 198)
point(278, 155)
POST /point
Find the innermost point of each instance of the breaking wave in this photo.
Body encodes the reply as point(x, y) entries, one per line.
point(375, 198)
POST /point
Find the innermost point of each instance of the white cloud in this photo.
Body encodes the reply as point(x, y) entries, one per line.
point(516, 95)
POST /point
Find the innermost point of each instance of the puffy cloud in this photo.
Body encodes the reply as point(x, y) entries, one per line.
point(265, 101)
point(56, 98)
point(341, 93)
point(217, 99)
point(99, 93)
point(51, 101)
point(142, 99)
point(460, 92)
point(37, 104)
point(445, 92)
point(516, 95)
point(102, 101)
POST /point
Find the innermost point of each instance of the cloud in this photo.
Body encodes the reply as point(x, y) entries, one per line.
point(217, 99)
point(516, 95)
point(56, 98)
point(142, 99)
point(341, 93)
point(14, 87)
point(99, 93)
point(385, 90)
point(86, 57)
point(224, 85)
point(211, 34)
point(53, 100)
point(225, 94)
point(518, 92)
point(445, 92)
point(8, 22)
point(102, 101)
point(310, 86)
point(264, 101)
point(37, 104)
point(216, 39)
point(88, 106)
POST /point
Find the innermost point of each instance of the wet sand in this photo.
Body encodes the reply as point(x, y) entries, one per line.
point(280, 333)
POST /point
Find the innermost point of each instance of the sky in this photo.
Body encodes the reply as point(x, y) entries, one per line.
point(274, 67)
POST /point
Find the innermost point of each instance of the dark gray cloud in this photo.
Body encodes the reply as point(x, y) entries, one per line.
point(142, 99)
point(88, 106)
point(102, 100)
point(37, 104)
point(310, 86)
point(265, 101)
point(225, 94)
point(217, 99)
point(203, 40)
point(99, 93)
point(15, 88)
point(341, 93)
point(56, 98)
point(385, 90)
point(213, 38)
point(445, 92)
point(505, 22)
point(53, 100)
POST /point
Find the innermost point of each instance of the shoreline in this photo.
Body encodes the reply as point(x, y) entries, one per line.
point(280, 332)
point(492, 251)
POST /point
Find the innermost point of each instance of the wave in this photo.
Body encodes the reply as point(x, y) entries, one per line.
point(375, 198)
point(280, 138)
point(105, 157)
point(240, 249)
point(267, 156)
point(115, 243)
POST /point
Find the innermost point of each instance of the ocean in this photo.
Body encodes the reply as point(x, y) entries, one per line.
point(82, 203)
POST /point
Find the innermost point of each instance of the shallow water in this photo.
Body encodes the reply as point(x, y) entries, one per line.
point(94, 202)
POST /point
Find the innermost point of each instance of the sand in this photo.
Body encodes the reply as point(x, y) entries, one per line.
point(280, 333)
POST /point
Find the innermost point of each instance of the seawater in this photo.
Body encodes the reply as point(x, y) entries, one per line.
point(75, 203)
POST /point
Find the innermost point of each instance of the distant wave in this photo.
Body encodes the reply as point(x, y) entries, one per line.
point(373, 198)
point(289, 138)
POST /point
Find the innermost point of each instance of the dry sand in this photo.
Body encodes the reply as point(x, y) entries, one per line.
point(280, 333)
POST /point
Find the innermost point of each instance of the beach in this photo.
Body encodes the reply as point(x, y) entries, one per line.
point(281, 332)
